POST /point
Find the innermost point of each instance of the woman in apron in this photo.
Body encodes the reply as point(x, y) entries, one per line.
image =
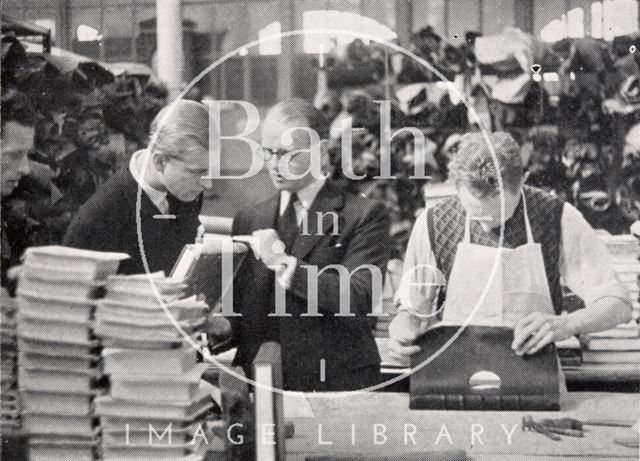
point(505, 269)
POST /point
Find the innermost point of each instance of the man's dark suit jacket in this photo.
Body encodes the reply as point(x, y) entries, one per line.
point(108, 222)
point(345, 343)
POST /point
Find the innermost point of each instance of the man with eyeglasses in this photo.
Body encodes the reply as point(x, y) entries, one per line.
point(162, 188)
point(308, 223)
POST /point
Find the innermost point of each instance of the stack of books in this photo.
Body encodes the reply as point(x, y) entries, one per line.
point(616, 350)
point(9, 410)
point(624, 251)
point(58, 360)
point(155, 405)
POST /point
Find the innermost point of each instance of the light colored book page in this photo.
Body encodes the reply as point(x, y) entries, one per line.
point(145, 361)
point(57, 251)
point(296, 405)
point(611, 357)
point(265, 415)
point(45, 452)
point(625, 330)
point(190, 376)
point(187, 260)
point(613, 344)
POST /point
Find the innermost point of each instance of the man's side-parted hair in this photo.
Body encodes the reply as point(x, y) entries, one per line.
point(300, 112)
point(16, 107)
point(474, 167)
point(174, 123)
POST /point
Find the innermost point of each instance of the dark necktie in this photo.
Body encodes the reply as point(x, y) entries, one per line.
point(288, 224)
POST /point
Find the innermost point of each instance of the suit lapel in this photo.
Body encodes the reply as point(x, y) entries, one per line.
point(329, 199)
point(267, 214)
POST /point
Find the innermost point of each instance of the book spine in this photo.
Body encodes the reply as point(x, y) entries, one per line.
point(470, 402)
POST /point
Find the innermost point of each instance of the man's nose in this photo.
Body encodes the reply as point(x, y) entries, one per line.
point(206, 183)
point(24, 168)
point(273, 161)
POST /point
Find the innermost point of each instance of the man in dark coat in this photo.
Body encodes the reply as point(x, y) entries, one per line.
point(150, 210)
point(316, 225)
point(18, 130)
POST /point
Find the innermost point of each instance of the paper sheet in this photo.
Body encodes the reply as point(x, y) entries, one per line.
point(296, 405)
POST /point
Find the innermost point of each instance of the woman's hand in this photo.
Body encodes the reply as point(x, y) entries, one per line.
point(403, 331)
point(536, 330)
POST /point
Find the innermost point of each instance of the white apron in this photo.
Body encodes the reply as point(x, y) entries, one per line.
point(518, 288)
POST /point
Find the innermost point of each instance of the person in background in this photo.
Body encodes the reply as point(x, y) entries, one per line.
point(359, 235)
point(545, 240)
point(17, 138)
point(623, 54)
point(156, 200)
point(328, 102)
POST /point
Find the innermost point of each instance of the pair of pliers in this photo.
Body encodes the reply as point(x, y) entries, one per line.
point(528, 424)
point(564, 426)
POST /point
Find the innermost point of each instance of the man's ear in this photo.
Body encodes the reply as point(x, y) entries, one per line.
point(325, 160)
point(159, 162)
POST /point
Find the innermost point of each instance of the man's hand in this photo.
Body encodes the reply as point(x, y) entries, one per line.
point(218, 329)
point(403, 331)
point(536, 330)
point(13, 273)
point(268, 248)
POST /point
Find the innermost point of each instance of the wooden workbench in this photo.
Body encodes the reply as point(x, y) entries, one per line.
point(334, 416)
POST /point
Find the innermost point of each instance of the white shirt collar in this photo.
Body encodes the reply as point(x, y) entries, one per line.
point(306, 195)
point(157, 197)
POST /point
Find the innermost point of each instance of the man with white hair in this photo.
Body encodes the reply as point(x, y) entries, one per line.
point(169, 173)
point(544, 240)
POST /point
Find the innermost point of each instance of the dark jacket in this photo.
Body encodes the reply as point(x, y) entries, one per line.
point(108, 222)
point(345, 343)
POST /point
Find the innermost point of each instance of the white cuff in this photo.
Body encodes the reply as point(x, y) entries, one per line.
point(286, 276)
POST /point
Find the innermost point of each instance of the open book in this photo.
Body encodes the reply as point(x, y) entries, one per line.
point(208, 268)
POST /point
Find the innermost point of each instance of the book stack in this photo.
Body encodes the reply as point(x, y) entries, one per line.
point(616, 351)
point(624, 252)
point(155, 405)
point(9, 410)
point(58, 369)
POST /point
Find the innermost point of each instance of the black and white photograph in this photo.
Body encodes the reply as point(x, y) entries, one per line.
point(320, 230)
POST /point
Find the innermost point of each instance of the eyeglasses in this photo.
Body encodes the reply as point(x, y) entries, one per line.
point(267, 154)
